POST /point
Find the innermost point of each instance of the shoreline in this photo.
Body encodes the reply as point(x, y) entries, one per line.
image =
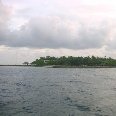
point(18, 65)
point(61, 66)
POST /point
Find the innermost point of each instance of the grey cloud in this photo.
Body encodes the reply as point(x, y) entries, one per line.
point(4, 18)
point(53, 32)
point(112, 44)
point(50, 32)
point(92, 37)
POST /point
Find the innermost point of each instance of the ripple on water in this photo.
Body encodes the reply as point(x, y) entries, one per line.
point(20, 84)
point(2, 104)
point(80, 107)
point(28, 109)
point(80, 82)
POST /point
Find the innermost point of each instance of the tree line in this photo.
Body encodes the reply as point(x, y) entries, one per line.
point(75, 61)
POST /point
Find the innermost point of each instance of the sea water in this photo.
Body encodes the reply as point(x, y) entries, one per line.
point(40, 91)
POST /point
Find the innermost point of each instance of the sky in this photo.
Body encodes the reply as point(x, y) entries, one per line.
point(30, 29)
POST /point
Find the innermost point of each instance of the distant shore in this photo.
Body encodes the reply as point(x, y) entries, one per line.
point(16, 65)
point(62, 66)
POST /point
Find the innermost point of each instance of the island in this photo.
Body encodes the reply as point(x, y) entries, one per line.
point(71, 61)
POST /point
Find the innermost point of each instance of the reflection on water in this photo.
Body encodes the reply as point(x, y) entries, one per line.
point(33, 91)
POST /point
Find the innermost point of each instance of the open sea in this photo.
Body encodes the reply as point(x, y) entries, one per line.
point(40, 91)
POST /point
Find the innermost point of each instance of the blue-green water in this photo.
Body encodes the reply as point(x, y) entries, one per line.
point(33, 91)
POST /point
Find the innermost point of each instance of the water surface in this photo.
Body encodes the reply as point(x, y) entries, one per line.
point(34, 91)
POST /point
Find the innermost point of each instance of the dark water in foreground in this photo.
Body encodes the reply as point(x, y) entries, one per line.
point(32, 91)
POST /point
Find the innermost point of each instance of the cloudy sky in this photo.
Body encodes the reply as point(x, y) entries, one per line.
point(33, 28)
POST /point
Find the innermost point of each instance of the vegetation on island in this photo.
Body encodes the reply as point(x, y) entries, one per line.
point(26, 63)
point(75, 61)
